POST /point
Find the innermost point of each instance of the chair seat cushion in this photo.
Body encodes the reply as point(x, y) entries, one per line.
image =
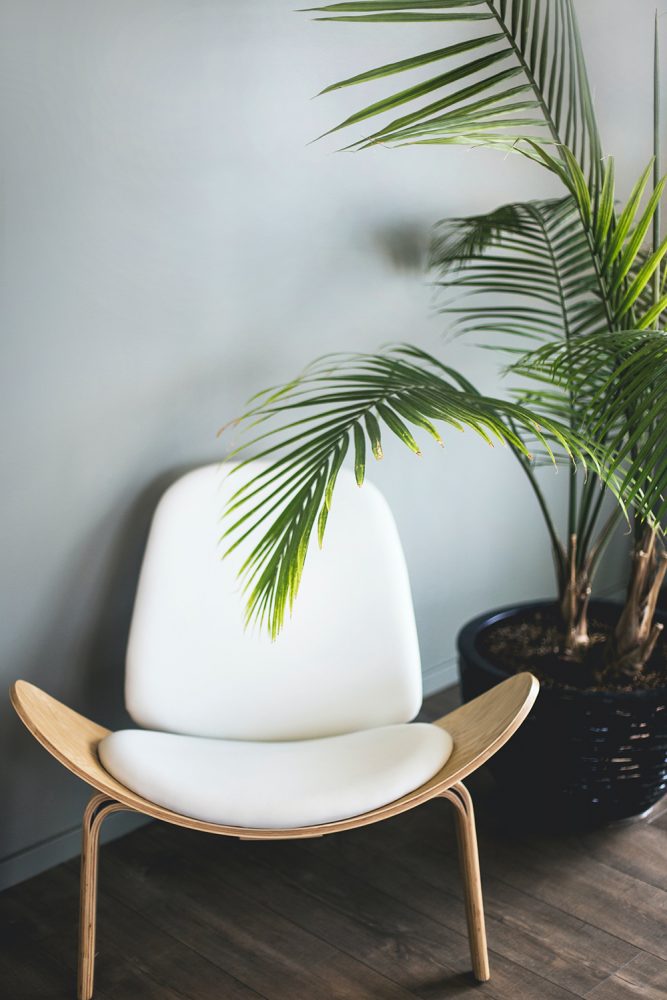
point(277, 785)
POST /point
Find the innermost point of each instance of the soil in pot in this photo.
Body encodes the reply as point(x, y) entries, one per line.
point(532, 640)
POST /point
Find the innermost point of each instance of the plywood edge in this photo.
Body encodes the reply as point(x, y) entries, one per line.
point(478, 730)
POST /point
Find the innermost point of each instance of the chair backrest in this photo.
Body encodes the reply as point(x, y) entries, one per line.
point(347, 659)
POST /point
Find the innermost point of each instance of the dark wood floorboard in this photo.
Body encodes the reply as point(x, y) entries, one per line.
point(645, 977)
point(373, 913)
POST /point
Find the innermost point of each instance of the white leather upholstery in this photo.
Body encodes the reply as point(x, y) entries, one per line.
point(276, 785)
point(347, 660)
point(310, 729)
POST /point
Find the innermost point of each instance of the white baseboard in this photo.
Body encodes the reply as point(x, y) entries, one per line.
point(439, 676)
point(61, 847)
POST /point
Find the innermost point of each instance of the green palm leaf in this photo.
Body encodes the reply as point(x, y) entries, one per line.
point(537, 39)
point(303, 431)
point(617, 248)
point(532, 263)
point(526, 88)
point(573, 277)
point(622, 378)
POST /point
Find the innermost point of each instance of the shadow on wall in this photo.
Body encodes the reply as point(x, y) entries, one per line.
point(91, 636)
point(404, 245)
point(102, 670)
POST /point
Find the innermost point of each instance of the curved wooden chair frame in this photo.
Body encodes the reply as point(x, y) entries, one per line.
point(478, 730)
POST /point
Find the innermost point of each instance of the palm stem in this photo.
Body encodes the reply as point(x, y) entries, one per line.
point(572, 482)
point(557, 548)
point(589, 517)
point(657, 283)
point(603, 539)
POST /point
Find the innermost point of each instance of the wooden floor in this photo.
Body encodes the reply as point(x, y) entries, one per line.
point(376, 912)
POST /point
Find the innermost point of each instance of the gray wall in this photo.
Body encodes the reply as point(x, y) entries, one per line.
point(170, 244)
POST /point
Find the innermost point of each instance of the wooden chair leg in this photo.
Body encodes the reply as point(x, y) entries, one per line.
point(98, 808)
point(466, 833)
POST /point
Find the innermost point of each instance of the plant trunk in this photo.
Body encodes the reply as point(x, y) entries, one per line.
point(634, 638)
point(574, 597)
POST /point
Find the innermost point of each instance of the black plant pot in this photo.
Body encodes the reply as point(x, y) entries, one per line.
point(581, 757)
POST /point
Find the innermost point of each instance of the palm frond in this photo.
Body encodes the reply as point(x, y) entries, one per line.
point(528, 77)
point(519, 277)
point(340, 405)
point(625, 270)
point(622, 376)
point(522, 85)
point(531, 257)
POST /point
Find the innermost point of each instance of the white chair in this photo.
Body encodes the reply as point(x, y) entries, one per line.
point(306, 736)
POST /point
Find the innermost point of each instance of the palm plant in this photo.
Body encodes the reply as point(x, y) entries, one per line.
point(569, 284)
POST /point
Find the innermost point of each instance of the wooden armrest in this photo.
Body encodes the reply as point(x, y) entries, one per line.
point(478, 729)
